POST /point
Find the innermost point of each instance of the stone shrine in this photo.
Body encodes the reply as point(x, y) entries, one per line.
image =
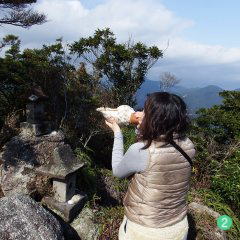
point(62, 169)
point(35, 113)
point(37, 162)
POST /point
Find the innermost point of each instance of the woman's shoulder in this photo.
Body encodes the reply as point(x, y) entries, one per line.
point(188, 142)
point(187, 145)
point(138, 146)
point(184, 142)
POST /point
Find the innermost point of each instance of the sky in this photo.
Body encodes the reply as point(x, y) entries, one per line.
point(200, 39)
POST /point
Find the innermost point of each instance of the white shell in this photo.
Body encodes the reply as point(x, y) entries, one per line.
point(74, 199)
point(53, 133)
point(121, 113)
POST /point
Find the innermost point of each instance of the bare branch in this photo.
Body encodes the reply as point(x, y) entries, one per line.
point(166, 47)
point(168, 80)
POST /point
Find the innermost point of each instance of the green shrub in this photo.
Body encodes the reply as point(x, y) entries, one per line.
point(226, 181)
point(87, 176)
point(102, 146)
point(129, 136)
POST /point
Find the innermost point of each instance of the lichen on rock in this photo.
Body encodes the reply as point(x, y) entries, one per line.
point(21, 156)
point(23, 218)
point(85, 225)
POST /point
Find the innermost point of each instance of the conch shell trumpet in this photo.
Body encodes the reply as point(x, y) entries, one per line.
point(124, 114)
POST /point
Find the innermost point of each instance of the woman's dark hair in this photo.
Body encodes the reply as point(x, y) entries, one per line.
point(165, 114)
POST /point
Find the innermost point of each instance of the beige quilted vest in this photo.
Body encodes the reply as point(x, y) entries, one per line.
point(157, 197)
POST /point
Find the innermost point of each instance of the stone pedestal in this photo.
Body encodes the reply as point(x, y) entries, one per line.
point(64, 189)
point(67, 211)
point(35, 129)
point(35, 110)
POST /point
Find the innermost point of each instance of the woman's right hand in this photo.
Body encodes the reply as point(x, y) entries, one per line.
point(112, 123)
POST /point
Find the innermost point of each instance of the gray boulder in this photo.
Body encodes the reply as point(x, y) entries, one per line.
point(20, 158)
point(23, 218)
point(85, 226)
point(205, 220)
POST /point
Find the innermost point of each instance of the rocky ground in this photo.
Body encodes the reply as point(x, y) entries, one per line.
point(102, 214)
point(202, 220)
point(101, 217)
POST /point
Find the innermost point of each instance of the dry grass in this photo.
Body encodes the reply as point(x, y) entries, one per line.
point(110, 219)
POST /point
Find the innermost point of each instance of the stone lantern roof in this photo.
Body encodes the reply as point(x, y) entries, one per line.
point(63, 163)
point(37, 94)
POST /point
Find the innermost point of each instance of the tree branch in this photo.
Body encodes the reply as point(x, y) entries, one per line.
point(18, 15)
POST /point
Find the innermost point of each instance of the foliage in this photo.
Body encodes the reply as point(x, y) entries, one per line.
point(119, 185)
point(11, 83)
point(110, 219)
point(102, 144)
point(124, 66)
point(72, 102)
point(215, 134)
point(19, 13)
point(87, 177)
point(19, 72)
point(74, 91)
point(205, 226)
point(226, 181)
point(10, 128)
point(129, 135)
point(222, 121)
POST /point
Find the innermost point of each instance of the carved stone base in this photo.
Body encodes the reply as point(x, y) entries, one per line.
point(65, 210)
point(35, 129)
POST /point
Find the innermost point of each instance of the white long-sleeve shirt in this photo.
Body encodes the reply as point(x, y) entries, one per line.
point(134, 160)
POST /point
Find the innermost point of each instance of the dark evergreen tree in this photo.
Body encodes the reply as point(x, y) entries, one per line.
point(122, 66)
point(19, 13)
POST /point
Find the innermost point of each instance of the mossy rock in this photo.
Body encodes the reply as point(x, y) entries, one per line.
point(85, 225)
point(215, 202)
point(203, 223)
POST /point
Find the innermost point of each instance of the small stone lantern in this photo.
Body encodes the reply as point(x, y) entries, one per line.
point(63, 170)
point(35, 124)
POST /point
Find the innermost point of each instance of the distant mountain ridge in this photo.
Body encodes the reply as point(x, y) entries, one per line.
point(195, 98)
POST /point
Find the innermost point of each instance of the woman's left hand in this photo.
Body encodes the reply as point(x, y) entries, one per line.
point(139, 116)
point(112, 123)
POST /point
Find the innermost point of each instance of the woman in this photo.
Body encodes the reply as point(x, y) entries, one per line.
point(155, 205)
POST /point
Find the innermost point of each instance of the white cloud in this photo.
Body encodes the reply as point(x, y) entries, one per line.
point(147, 21)
point(207, 54)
